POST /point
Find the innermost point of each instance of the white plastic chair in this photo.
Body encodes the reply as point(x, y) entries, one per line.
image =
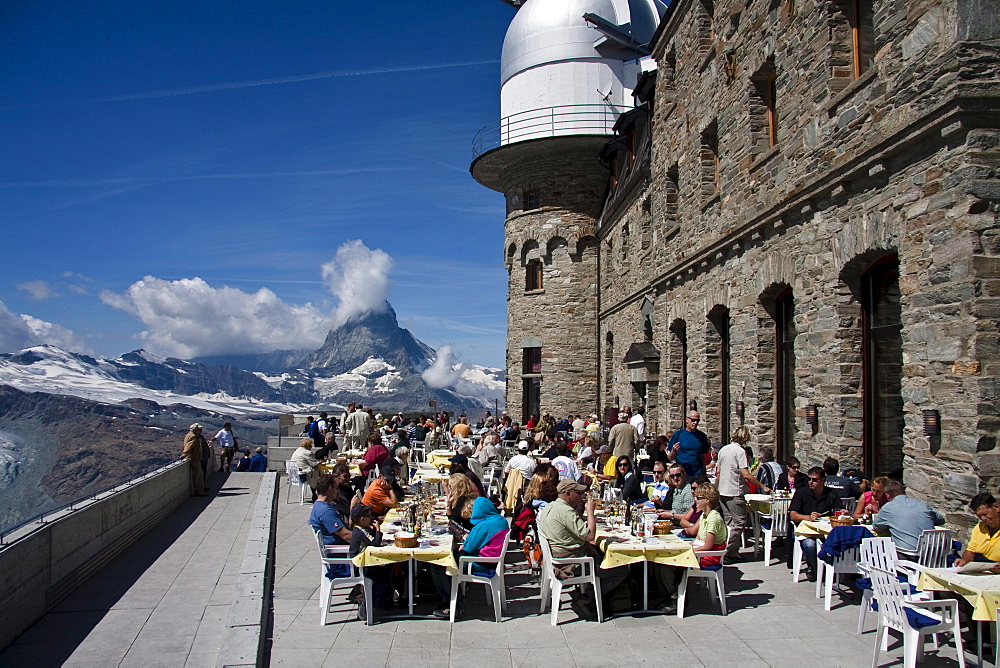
point(797, 556)
point(933, 548)
point(716, 574)
point(418, 453)
point(497, 586)
point(552, 586)
point(332, 555)
point(845, 563)
point(879, 553)
point(914, 619)
point(778, 527)
point(292, 471)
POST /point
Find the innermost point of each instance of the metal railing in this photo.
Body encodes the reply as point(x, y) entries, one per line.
point(78, 504)
point(572, 119)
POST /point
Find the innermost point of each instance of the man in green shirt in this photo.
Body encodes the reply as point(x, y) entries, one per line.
point(569, 535)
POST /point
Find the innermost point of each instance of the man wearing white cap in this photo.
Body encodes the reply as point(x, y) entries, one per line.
point(521, 461)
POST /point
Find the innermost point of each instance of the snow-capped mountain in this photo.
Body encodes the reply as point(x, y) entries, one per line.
point(369, 359)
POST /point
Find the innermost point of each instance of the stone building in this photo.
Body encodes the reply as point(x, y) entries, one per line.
point(799, 232)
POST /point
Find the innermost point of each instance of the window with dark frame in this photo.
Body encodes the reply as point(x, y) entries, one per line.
point(531, 360)
point(532, 200)
point(784, 396)
point(533, 275)
point(763, 107)
point(710, 176)
point(882, 370)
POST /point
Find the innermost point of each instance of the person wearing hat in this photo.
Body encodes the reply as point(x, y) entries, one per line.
point(605, 468)
point(460, 464)
point(570, 535)
point(522, 461)
point(366, 533)
point(384, 492)
point(194, 443)
point(258, 463)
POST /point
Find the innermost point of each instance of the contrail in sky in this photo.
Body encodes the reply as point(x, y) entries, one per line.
point(253, 83)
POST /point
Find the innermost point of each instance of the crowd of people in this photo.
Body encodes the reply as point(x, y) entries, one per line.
point(698, 485)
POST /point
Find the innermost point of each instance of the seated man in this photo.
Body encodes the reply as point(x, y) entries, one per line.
point(327, 520)
point(462, 429)
point(329, 446)
point(384, 492)
point(843, 486)
point(521, 461)
point(660, 492)
point(565, 464)
point(984, 542)
point(811, 504)
point(904, 517)
point(471, 462)
point(570, 536)
point(304, 459)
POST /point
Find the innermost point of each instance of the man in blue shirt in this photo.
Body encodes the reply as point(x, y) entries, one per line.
point(327, 520)
point(688, 446)
point(905, 517)
point(258, 463)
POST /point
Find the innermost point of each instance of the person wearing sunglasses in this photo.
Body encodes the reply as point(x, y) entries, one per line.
point(809, 504)
point(794, 478)
point(628, 482)
point(681, 497)
point(689, 446)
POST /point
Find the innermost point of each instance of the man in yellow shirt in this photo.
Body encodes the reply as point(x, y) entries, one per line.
point(984, 543)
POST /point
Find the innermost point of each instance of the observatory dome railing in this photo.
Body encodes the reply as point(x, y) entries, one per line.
point(572, 119)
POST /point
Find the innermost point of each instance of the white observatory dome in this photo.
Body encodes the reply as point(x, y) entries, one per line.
point(548, 31)
point(561, 75)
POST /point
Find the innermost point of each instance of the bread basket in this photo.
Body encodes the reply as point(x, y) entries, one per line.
point(662, 527)
point(842, 521)
point(405, 539)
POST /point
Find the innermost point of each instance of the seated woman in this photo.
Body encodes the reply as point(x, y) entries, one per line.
point(657, 453)
point(461, 495)
point(384, 492)
point(587, 452)
point(871, 501)
point(628, 482)
point(366, 533)
point(541, 491)
point(984, 542)
point(712, 530)
point(793, 479)
point(486, 539)
point(691, 522)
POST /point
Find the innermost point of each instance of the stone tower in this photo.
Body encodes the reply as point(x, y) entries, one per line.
point(567, 73)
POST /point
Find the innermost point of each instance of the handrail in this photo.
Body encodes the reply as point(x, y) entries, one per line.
point(595, 119)
point(86, 501)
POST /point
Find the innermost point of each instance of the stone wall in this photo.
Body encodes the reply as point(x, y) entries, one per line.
point(898, 161)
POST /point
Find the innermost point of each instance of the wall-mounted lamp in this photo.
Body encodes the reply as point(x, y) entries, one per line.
point(932, 423)
point(692, 405)
point(741, 411)
point(812, 415)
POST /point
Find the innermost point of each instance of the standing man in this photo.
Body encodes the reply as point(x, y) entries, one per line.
point(357, 427)
point(623, 438)
point(227, 446)
point(733, 476)
point(689, 446)
point(194, 442)
point(639, 422)
point(318, 435)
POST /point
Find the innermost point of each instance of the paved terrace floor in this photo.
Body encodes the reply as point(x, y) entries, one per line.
point(164, 601)
point(771, 622)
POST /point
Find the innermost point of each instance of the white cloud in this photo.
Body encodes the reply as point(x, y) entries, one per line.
point(190, 318)
point(445, 371)
point(19, 331)
point(37, 290)
point(359, 278)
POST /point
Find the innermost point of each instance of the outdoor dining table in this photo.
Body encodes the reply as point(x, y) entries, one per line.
point(435, 548)
point(621, 548)
point(981, 590)
point(440, 457)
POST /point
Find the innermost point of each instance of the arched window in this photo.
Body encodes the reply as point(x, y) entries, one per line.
point(882, 369)
point(533, 275)
point(784, 381)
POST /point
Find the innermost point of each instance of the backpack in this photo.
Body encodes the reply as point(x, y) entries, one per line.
point(313, 430)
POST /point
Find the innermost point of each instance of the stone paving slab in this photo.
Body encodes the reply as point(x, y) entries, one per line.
point(771, 622)
point(161, 602)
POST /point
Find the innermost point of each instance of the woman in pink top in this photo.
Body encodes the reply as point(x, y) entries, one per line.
point(873, 499)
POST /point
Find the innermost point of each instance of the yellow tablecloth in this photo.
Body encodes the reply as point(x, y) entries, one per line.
point(439, 552)
point(438, 458)
point(620, 549)
point(819, 529)
point(982, 591)
point(328, 468)
point(758, 503)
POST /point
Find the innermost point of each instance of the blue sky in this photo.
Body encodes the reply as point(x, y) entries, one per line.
point(244, 143)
